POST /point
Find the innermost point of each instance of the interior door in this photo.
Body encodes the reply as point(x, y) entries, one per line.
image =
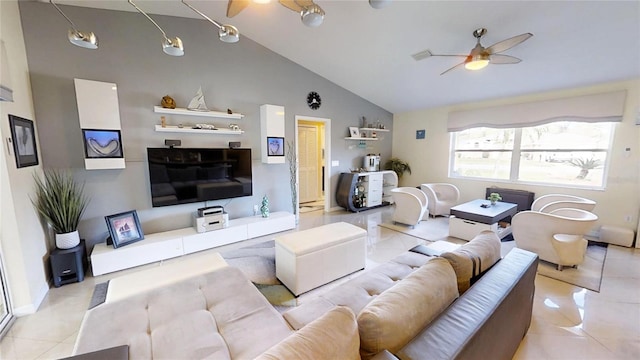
point(308, 161)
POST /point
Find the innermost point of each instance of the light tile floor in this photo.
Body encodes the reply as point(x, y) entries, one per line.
point(568, 322)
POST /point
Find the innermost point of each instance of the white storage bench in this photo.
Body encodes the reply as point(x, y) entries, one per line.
point(314, 257)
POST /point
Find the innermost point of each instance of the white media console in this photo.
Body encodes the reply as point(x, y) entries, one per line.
point(170, 244)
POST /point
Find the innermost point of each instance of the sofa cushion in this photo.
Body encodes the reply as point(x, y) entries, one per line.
point(218, 315)
point(472, 259)
point(332, 336)
point(394, 317)
point(357, 292)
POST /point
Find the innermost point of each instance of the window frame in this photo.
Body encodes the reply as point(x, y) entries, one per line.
point(516, 155)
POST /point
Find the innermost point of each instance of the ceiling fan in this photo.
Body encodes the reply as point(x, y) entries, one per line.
point(479, 57)
point(311, 14)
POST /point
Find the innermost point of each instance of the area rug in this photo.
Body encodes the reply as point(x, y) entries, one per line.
point(588, 275)
point(258, 263)
point(433, 229)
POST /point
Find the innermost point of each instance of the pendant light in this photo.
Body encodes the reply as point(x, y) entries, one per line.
point(170, 46)
point(226, 33)
point(85, 40)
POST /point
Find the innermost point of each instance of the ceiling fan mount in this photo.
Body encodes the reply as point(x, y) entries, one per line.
point(479, 57)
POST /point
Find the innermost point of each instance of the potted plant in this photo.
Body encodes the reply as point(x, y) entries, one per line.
point(60, 201)
point(398, 166)
point(493, 197)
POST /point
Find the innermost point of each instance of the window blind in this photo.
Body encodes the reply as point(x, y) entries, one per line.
point(607, 107)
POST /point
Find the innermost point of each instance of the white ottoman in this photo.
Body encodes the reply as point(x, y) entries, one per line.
point(616, 235)
point(314, 257)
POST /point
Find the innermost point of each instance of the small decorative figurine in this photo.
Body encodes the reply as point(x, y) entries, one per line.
point(197, 103)
point(168, 102)
point(264, 209)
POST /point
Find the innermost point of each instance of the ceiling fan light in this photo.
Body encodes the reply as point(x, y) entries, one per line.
point(379, 4)
point(312, 15)
point(476, 64)
point(85, 40)
point(229, 34)
point(173, 46)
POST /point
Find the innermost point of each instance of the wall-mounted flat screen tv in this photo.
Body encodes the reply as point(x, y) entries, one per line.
point(181, 175)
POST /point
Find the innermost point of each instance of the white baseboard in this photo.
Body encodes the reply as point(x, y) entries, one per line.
point(32, 308)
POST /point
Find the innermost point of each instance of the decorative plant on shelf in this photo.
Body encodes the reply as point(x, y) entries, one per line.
point(494, 197)
point(60, 201)
point(293, 170)
point(398, 166)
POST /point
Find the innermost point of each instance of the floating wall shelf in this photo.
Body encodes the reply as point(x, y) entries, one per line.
point(361, 138)
point(170, 128)
point(183, 111)
point(374, 129)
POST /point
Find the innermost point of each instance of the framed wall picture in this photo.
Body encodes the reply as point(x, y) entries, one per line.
point(354, 131)
point(275, 146)
point(23, 137)
point(420, 134)
point(124, 228)
point(100, 143)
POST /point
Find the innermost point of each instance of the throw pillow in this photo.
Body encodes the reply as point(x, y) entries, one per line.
point(397, 315)
point(332, 336)
point(472, 259)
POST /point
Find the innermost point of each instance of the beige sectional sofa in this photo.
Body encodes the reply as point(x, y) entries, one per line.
point(408, 308)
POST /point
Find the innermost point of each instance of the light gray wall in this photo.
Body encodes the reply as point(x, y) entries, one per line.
point(239, 76)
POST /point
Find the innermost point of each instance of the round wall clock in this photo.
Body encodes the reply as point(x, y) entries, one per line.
point(313, 100)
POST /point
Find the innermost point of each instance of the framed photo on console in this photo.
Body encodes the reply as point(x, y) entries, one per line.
point(124, 228)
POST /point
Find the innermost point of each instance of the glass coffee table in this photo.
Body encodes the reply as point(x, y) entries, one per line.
point(469, 219)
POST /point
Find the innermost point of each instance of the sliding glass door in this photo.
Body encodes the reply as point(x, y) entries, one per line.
point(6, 317)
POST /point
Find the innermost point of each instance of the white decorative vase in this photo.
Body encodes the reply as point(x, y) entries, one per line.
point(67, 240)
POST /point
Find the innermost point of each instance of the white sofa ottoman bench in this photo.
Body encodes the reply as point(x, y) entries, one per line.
point(310, 258)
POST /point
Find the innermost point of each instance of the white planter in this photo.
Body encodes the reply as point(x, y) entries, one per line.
point(67, 240)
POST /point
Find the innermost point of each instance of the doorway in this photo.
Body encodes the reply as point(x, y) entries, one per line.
point(313, 154)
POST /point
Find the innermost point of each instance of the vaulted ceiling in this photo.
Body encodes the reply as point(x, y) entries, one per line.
point(368, 51)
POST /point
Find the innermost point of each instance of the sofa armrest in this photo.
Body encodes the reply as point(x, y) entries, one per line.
point(491, 317)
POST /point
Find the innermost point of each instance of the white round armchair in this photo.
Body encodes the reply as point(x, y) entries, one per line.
point(550, 202)
point(411, 205)
point(557, 236)
point(442, 197)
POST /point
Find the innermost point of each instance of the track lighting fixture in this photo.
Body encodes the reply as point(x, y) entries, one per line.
point(312, 15)
point(170, 46)
point(226, 33)
point(86, 40)
point(379, 4)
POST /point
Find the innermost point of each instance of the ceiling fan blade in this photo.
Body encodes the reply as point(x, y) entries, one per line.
point(503, 59)
point(457, 66)
point(291, 4)
point(235, 6)
point(507, 44)
point(304, 3)
point(424, 54)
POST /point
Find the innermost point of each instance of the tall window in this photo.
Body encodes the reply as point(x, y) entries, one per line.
point(557, 153)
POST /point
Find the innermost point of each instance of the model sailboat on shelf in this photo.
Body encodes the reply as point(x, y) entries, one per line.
point(197, 103)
